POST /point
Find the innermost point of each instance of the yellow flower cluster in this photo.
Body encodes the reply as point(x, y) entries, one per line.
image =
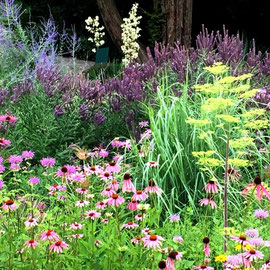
point(217, 104)
point(257, 124)
point(253, 113)
point(210, 162)
point(249, 94)
point(237, 162)
point(228, 118)
point(198, 122)
point(217, 68)
point(130, 33)
point(203, 153)
point(242, 142)
point(92, 25)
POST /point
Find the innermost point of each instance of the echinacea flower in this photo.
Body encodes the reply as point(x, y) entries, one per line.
point(4, 142)
point(211, 187)
point(113, 167)
point(206, 247)
point(116, 200)
point(66, 170)
point(140, 217)
point(8, 118)
point(241, 239)
point(47, 162)
point(108, 192)
point(58, 246)
point(82, 190)
point(132, 205)
point(208, 201)
point(98, 243)
point(127, 184)
point(31, 222)
point(152, 188)
point(92, 214)
point(49, 235)
point(162, 265)
point(113, 185)
point(203, 267)
point(172, 256)
point(260, 189)
point(76, 226)
point(152, 164)
point(105, 176)
point(34, 180)
point(252, 255)
point(9, 205)
point(260, 213)
point(130, 225)
point(101, 205)
point(78, 236)
point(152, 241)
point(139, 195)
point(136, 240)
point(81, 203)
point(234, 175)
point(31, 244)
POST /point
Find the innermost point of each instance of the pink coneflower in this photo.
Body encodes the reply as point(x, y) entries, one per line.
point(98, 243)
point(116, 200)
point(136, 240)
point(118, 158)
point(152, 164)
point(31, 222)
point(82, 190)
point(108, 192)
point(260, 213)
point(92, 169)
point(127, 184)
point(47, 162)
point(34, 180)
point(162, 265)
point(146, 231)
point(78, 236)
point(113, 185)
point(58, 246)
point(105, 176)
point(66, 170)
point(76, 226)
point(140, 217)
point(203, 267)
point(15, 159)
point(206, 247)
point(105, 220)
point(241, 239)
point(77, 177)
point(211, 187)
point(252, 233)
point(234, 175)
point(101, 205)
point(31, 244)
point(132, 205)
point(252, 255)
point(82, 203)
point(260, 189)
point(139, 195)
point(113, 167)
point(152, 241)
point(208, 201)
point(9, 205)
point(152, 188)
point(4, 142)
point(130, 225)
point(178, 238)
point(92, 214)
point(27, 154)
point(8, 118)
point(172, 256)
point(49, 235)
point(174, 218)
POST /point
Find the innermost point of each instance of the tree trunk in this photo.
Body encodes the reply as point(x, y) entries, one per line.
point(178, 21)
point(113, 21)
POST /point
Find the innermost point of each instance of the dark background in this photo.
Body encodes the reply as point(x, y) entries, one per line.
point(248, 18)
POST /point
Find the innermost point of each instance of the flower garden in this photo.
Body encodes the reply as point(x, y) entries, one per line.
point(163, 166)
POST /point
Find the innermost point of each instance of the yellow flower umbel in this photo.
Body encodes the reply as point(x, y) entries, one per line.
point(253, 113)
point(217, 68)
point(242, 142)
point(228, 118)
point(237, 162)
point(198, 122)
point(217, 104)
point(257, 124)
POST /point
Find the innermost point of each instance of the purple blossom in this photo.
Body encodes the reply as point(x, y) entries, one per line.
point(1, 184)
point(58, 110)
point(47, 162)
point(99, 118)
point(34, 180)
point(15, 159)
point(28, 154)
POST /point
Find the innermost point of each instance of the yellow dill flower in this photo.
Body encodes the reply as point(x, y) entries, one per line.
point(229, 231)
point(203, 153)
point(198, 122)
point(239, 89)
point(228, 118)
point(237, 162)
point(220, 125)
point(244, 76)
point(203, 135)
point(216, 104)
point(253, 113)
point(210, 162)
point(221, 258)
point(244, 131)
point(228, 80)
point(257, 124)
point(241, 153)
point(217, 68)
point(249, 93)
point(245, 247)
point(242, 142)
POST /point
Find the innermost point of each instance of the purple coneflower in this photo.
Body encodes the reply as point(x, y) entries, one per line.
point(127, 184)
point(132, 205)
point(113, 167)
point(206, 247)
point(31, 222)
point(139, 195)
point(152, 241)
point(49, 235)
point(58, 246)
point(9, 205)
point(208, 201)
point(130, 225)
point(211, 187)
point(116, 200)
point(31, 244)
point(152, 188)
point(92, 214)
point(76, 226)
